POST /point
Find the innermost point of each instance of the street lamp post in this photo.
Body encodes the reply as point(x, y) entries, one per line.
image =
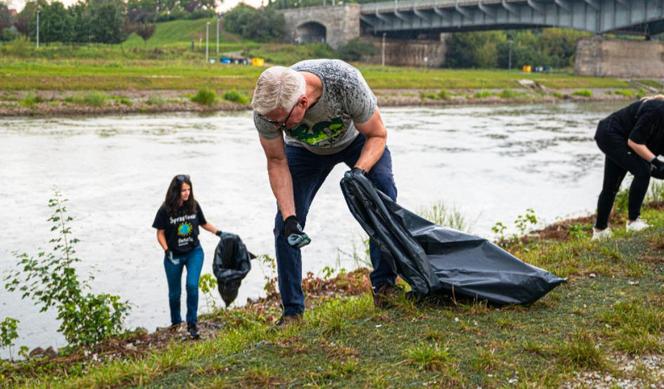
point(217, 37)
point(382, 55)
point(37, 28)
point(207, 35)
point(509, 55)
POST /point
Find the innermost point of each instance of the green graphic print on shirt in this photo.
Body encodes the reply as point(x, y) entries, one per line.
point(325, 132)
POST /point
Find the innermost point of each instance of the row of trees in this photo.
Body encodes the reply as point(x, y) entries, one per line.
point(553, 47)
point(99, 21)
point(263, 24)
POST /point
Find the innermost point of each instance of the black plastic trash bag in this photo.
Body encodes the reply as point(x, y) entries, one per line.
point(439, 260)
point(231, 264)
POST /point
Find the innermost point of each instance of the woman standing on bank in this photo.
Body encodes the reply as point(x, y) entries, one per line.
point(177, 223)
point(631, 138)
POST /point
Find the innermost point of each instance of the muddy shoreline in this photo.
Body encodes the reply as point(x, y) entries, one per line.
point(76, 103)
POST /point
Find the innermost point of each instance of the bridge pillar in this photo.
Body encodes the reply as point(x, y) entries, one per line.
point(413, 52)
point(335, 25)
point(619, 58)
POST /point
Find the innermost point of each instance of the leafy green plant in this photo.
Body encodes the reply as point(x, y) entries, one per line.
point(8, 334)
point(429, 356)
point(50, 280)
point(444, 94)
point(522, 224)
point(123, 100)
point(205, 97)
point(525, 221)
point(624, 92)
point(510, 94)
point(236, 97)
point(207, 283)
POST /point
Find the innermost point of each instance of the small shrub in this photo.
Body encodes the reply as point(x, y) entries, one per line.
point(428, 95)
point(443, 94)
point(236, 97)
point(510, 94)
point(8, 334)
point(95, 99)
point(155, 101)
point(583, 93)
point(205, 97)
point(30, 100)
point(483, 94)
point(208, 285)
point(624, 92)
point(50, 280)
point(559, 95)
point(123, 100)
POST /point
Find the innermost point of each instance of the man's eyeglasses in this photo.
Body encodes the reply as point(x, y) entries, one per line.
point(280, 124)
point(182, 177)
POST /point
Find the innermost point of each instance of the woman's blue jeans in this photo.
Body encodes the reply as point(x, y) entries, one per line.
point(193, 261)
point(308, 171)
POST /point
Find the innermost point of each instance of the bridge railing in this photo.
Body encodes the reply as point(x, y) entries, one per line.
point(410, 4)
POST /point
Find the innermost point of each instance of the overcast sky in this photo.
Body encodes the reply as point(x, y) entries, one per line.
point(225, 5)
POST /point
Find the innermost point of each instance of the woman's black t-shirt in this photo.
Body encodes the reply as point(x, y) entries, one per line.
point(181, 229)
point(642, 122)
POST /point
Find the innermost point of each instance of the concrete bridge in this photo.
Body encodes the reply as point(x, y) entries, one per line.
point(597, 16)
point(417, 19)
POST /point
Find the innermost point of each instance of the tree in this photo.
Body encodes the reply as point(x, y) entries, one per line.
point(259, 24)
point(145, 30)
point(5, 16)
point(26, 19)
point(474, 49)
point(80, 23)
point(106, 21)
point(56, 23)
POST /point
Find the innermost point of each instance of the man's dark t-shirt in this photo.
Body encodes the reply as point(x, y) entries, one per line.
point(642, 122)
point(181, 229)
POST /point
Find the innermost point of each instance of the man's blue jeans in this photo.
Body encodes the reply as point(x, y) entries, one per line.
point(308, 171)
point(193, 261)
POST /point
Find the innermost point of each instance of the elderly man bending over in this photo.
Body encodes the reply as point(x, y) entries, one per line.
point(310, 117)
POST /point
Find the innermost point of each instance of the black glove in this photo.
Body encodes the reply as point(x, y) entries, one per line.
point(218, 233)
point(657, 168)
point(294, 234)
point(354, 172)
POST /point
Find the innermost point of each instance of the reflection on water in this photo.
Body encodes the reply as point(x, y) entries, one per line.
point(490, 162)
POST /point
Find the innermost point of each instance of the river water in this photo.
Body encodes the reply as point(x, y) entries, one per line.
point(492, 163)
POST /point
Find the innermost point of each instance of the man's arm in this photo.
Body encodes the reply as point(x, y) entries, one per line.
point(376, 138)
point(642, 150)
point(279, 174)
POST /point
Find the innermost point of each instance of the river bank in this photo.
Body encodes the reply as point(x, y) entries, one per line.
point(601, 329)
point(44, 103)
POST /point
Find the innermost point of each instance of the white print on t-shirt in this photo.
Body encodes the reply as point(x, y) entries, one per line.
point(185, 241)
point(175, 220)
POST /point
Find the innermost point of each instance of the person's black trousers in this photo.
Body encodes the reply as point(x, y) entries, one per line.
point(619, 160)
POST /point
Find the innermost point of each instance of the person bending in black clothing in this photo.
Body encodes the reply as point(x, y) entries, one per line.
point(631, 138)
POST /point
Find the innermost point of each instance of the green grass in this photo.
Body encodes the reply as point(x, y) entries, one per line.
point(236, 97)
point(205, 97)
point(612, 305)
point(583, 93)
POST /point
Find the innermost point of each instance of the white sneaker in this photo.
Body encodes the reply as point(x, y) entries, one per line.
point(636, 225)
point(602, 234)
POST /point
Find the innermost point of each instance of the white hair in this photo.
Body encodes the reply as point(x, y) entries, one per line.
point(277, 87)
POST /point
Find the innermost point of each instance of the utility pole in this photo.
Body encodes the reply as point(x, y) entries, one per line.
point(383, 51)
point(207, 34)
point(37, 28)
point(509, 55)
point(218, 37)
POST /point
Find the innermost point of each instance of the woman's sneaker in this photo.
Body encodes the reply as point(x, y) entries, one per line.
point(636, 225)
point(602, 234)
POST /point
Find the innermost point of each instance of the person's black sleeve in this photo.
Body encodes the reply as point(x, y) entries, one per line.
point(645, 124)
point(160, 220)
point(199, 213)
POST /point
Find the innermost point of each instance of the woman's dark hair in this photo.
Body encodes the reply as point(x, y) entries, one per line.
point(172, 201)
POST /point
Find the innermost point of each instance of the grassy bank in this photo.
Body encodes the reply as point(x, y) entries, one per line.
point(604, 327)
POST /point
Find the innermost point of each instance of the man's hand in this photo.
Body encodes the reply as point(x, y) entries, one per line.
point(657, 168)
point(294, 234)
point(354, 172)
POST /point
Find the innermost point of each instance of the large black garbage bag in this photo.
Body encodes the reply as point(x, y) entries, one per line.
point(231, 264)
point(439, 260)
